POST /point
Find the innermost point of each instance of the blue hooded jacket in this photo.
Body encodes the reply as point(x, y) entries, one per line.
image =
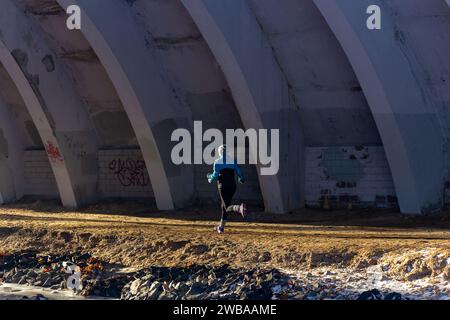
point(221, 164)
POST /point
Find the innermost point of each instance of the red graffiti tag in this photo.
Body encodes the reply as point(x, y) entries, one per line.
point(53, 152)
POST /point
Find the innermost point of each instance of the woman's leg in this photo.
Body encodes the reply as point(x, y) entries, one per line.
point(226, 196)
point(241, 209)
point(233, 209)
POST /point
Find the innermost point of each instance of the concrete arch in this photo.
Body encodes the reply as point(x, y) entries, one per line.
point(151, 106)
point(11, 157)
point(56, 110)
point(260, 90)
point(408, 125)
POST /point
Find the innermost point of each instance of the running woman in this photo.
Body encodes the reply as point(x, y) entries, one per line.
point(224, 173)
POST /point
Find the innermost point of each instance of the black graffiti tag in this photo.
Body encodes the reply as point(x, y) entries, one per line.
point(130, 172)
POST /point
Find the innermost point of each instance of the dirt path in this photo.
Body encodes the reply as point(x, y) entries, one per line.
point(137, 237)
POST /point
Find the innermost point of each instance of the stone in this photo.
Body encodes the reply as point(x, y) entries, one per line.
point(14, 279)
point(264, 293)
point(23, 280)
point(196, 288)
point(40, 297)
point(182, 289)
point(55, 287)
point(135, 285)
point(393, 296)
point(277, 289)
point(32, 274)
point(166, 296)
point(311, 296)
point(44, 277)
point(213, 295)
point(299, 296)
point(155, 291)
point(48, 283)
point(370, 295)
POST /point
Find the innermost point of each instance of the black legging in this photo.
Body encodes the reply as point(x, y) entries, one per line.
point(227, 188)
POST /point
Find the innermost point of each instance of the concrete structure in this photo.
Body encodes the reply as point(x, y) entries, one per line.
point(11, 157)
point(363, 114)
point(259, 87)
point(56, 110)
point(394, 83)
point(151, 107)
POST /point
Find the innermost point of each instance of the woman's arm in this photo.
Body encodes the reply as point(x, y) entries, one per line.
point(213, 176)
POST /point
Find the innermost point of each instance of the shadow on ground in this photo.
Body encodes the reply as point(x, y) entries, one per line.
point(308, 217)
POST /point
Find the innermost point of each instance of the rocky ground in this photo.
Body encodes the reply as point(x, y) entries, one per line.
point(132, 252)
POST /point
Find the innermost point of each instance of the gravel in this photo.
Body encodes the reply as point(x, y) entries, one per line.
point(101, 279)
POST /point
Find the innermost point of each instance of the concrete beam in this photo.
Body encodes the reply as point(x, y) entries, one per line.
point(407, 123)
point(138, 78)
point(11, 157)
point(58, 113)
point(260, 90)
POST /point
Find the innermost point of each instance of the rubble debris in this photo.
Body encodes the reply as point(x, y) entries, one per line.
point(195, 282)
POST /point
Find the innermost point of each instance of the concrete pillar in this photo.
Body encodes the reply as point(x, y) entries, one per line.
point(260, 90)
point(58, 113)
point(11, 157)
point(152, 108)
point(408, 125)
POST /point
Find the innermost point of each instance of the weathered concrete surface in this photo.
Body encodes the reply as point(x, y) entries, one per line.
point(407, 121)
point(152, 109)
point(284, 67)
point(260, 89)
point(24, 125)
point(197, 80)
point(90, 79)
point(334, 111)
point(11, 157)
point(56, 110)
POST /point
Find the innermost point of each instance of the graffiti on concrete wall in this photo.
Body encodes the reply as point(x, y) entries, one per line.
point(343, 165)
point(130, 172)
point(53, 152)
point(340, 177)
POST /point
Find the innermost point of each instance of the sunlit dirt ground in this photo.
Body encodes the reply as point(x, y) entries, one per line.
point(135, 236)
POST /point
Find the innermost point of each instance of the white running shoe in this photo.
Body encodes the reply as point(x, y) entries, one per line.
point(219, 229)
point(243, 210)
